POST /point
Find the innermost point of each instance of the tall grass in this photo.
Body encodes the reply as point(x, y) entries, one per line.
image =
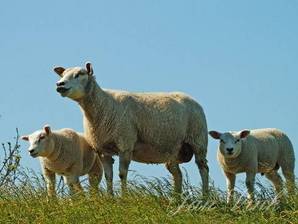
point(149, 200)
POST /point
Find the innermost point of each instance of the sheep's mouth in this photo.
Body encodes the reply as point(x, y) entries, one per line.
point(34, 154)
point(62, 90)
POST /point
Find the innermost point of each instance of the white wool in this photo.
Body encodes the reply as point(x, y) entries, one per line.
point(256, 151)
point(146, 127)
point(67, 153)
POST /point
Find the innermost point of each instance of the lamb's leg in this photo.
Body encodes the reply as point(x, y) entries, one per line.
point(73, 183)
point(124, 161)
point(107, 162)
point(230, 180)
point(177, 176)
point(250, 182)
point(50, 178)
point(201, 161)
point(95, 175)
point(276, 179)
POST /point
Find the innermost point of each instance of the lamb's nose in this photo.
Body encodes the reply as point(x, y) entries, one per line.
point(60, 83)
point(229, 149)
point(31, 150)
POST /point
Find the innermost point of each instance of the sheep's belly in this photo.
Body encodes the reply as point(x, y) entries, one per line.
point(60, 167)
point(145, 153)
point(265, 167)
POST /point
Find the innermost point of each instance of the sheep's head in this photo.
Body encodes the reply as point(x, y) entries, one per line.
point(41, 143)
point(74, 81)
point(230, 142)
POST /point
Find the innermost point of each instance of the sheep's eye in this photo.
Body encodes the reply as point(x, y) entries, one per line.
point(237, 140)
point(76, 76)
point(222, 141)
point(41, 137)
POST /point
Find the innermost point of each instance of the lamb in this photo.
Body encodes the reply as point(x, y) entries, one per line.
point(256, 151)
point(154, 128)
point(67, 153)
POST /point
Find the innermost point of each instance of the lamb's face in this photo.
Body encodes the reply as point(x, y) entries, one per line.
point(73, 81)
point(40, 143)
point(230, 142)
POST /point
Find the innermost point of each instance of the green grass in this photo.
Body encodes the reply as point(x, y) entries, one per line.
point(23, 200)
point(149, 201)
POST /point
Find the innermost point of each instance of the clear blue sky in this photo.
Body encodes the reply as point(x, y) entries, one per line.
point(239, 59)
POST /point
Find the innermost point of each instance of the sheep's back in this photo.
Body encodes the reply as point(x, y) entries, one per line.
point(270, 146)
point(163, 119)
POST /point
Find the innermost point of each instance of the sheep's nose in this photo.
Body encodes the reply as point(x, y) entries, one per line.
point(60, 83)
point(230, 149)
point(31, 150)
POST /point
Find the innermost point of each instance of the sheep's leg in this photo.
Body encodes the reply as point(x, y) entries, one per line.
point(174, 169)
point(124, 161)
point(287, 164)
point(95, 175)
point(93, 182)
point(290, 180)
point(107, 162)
point(276, 179)
point(250, 182)
point(73, 183)
point(201, 161)
point(230, 180)
point(51, 182)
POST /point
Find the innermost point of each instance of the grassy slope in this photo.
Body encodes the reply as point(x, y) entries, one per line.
point(146, 204)
point(23, 200)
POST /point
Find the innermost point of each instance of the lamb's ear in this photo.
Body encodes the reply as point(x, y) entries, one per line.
point(47, 129)
point(89, 68)
point(215, 134)
point(59, 70)
point(25, 137)
point(244, 133)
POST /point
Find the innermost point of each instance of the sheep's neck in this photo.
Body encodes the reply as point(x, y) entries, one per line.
point(57, 149)
point(99, 112)
point(233, 165)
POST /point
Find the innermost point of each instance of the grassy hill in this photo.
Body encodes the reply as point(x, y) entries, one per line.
point(23, 200)
point(149, 201)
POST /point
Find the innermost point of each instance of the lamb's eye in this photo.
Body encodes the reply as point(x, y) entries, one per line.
point(41, 137)
point(237, 140)
point(222, 141)
point(76, 76)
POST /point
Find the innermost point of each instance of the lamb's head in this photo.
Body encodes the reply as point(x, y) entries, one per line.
point(41, 142)
point(230, 142)
point(74, 81)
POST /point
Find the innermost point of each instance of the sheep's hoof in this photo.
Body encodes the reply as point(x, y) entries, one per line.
point(51, 198)
point(250, 204)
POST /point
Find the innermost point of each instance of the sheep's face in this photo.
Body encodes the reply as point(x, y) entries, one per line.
point(230, 142)
point(41, 143)
point(73, 81)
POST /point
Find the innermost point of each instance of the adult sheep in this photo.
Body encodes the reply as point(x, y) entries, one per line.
point(256, 151)
point(67, 153)
point(145, 127)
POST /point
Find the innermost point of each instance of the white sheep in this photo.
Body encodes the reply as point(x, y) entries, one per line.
point(66, 153)
point(146, 127)
point(256, 151)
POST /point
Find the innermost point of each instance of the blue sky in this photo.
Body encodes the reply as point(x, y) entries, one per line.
point(239, 59)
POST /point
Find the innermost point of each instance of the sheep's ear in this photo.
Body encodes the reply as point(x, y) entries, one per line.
point(47, 129)
point(59, 70)
point(25, 137)
point(89, 68)
point(215, 134)
point(244, 133)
